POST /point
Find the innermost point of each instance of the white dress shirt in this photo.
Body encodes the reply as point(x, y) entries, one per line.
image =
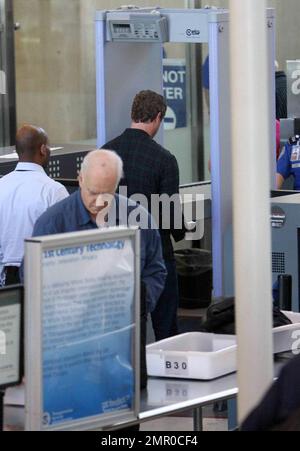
point(25, 194)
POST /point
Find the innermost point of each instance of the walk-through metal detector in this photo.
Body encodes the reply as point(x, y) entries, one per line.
point(129, 58)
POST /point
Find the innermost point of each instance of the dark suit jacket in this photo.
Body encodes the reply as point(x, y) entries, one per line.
point(149, 169)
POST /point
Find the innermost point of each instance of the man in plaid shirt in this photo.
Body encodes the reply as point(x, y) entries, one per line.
point(152, 170)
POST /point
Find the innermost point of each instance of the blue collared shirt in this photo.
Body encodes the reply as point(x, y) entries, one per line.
point(70, 215)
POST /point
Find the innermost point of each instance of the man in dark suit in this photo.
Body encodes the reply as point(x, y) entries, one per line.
point(152, 170)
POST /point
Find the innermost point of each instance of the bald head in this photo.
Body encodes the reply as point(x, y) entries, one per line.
point(103, 164)
point(32, 145)
point(99, 178)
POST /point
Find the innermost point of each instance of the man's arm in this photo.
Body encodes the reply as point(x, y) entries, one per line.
point(58, 194)
point(283, 166)
point(43, 226)
point(170, 185)
point(46, 225)
point(153, 268)
point(279, 181)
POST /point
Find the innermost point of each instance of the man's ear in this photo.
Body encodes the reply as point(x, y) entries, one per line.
point(43, 150)
point(80, 179)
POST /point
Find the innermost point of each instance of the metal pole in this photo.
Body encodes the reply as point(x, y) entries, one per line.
point(7, 64)
point(1, 410)
point(198, 419)
point(251, 179)
point(194, 65)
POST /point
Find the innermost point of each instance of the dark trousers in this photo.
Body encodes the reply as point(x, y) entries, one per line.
point(12, 276)
point(143, 362)
point(164, 317)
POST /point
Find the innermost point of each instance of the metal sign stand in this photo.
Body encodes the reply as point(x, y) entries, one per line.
point(1, 409)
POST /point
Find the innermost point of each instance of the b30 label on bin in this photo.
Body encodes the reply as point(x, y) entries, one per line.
point(176, 367)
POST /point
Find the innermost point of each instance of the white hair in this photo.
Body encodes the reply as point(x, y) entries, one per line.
point(89, 161)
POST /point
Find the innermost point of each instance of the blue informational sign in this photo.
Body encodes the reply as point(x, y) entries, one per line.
point(87, 331)
point(174, 78)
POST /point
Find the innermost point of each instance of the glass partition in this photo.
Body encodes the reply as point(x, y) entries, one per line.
point(2, 84)
point(183, 130)
point(55, 68)
point(7, 74)
point(56, 87)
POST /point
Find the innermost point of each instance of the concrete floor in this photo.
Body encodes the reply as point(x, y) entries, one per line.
point(176, 424)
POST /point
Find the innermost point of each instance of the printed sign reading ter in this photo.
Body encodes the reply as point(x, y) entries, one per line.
point(10, 336)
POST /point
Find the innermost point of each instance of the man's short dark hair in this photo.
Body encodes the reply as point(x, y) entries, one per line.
point(30, 139)
point(146, 107)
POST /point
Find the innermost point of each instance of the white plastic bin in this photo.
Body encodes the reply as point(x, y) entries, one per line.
point(204, 356)
point(193, 356)
point(286, 338)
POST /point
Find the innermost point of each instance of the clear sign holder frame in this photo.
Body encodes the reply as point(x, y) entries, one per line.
point(35, 251)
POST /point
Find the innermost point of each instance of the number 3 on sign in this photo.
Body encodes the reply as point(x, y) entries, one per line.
point(176, 367)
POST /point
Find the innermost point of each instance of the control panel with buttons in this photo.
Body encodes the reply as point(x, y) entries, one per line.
point(139, 28)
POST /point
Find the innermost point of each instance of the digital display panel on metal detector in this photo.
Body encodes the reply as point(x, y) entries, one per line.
point(10, 336)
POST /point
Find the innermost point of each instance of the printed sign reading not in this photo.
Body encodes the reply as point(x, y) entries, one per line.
point(174, 78)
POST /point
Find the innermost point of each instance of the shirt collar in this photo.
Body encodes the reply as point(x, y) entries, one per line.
point(137, 132)
point(33, 167)
point(83, 215)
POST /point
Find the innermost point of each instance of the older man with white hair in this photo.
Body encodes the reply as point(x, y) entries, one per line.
point(96, 204)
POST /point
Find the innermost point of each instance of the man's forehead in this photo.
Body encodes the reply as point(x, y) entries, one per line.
point(99, 167)
point(99, 182)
